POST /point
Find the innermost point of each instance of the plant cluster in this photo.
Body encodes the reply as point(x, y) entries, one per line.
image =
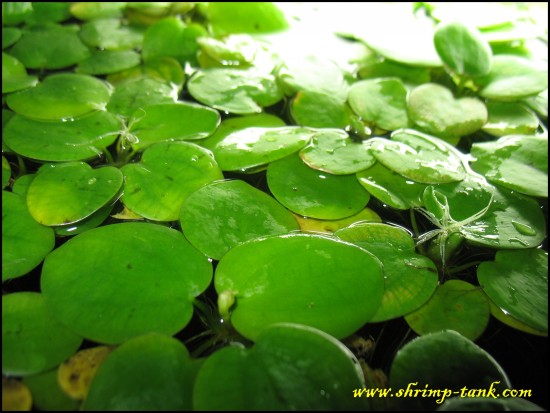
point(211, 206)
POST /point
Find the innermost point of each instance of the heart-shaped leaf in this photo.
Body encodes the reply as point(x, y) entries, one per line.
point(314, 194)
point(61, 96)
point(222, 215)
point(380, 102)
point(410, 279)
point(391, 188)
point(266, 376)
point(417, 156)
point(513, 78)
point(50, 46)
point(149, 291)
point(516, 162)
point(517, 281)
point(238, 91)
point(333, 151)
point(455, 305)
point(443, 360)
point(435, 110)
point(463, 49)
point(151, 372)
point(25, 242)
point(172, 121)
point(68, 192)
point(81, 139)
point(32, 340)
point(167, 174)
point(322, 282)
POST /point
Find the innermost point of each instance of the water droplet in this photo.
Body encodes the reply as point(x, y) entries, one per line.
point(194, 158)
point(92, 181)
point(512, 295)
point(322, 177)
point(524, 229)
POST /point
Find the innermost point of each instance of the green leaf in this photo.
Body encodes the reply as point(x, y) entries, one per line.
point(10, 35)
point(25, 242)
point(391, 188)
point(321, 282)
point(149, 291)
point(167, 174)
point(111, 34)
point(251, 147)
point(443, 360)
point(238, 91)
point(517, 281)
point(417, 156)
point(463, 49)
point(50, 46)
point(49, 11)
point(507, 118)
point(380, 102)
point(32, 340)
point(410, 279)
point(64, 193)
point(290, 367)
point(319, 110)
point(249, 17)
point(14, 75)
point(136, 94)
point(333, 151)
point(172, 121)
point(513, 78)
point(308, 192)
point(516, 162)
point(61, 96)
point(331, 225)
point(84, 138)
point(222, 215)
point(104, 62)
point(15, 12)
point(148, 373)
point(436, 111)
point(97, 10)
point(171, 37)
point(455, 305)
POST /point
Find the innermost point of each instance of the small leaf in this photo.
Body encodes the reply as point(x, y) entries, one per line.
point(508, 118)
point(463, 49)
point(104, 62)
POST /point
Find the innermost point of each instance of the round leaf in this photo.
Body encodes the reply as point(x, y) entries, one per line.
point(104, 62)
point(455, 305)
point(138, 93)
point(516, 162)
point(222, 215)
point(321, 282)
point(96, 10)
point(167, 174)
point(10, 35)
point(111, 34)
point(25, 242)
point(61, 96)
point(308, 192)
point(444, 360)
point(14, 75)
point(32, 340)
point(238, 91)
point(252, 17)
point(148, 276)
point(266, 377)
point(172, 121)
point(513, 78)
point(507, 118)
point(151, 373)
point(80, 139)
point(391, 188)
point(435, 110)
point(380, 102)
point(410, 279)
point(319, 110)
point(333, 151)
point(517, 281)
point(50, 46)
point(256, 146)
point(68, 192)
point(463, 49)
point(420, 157)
